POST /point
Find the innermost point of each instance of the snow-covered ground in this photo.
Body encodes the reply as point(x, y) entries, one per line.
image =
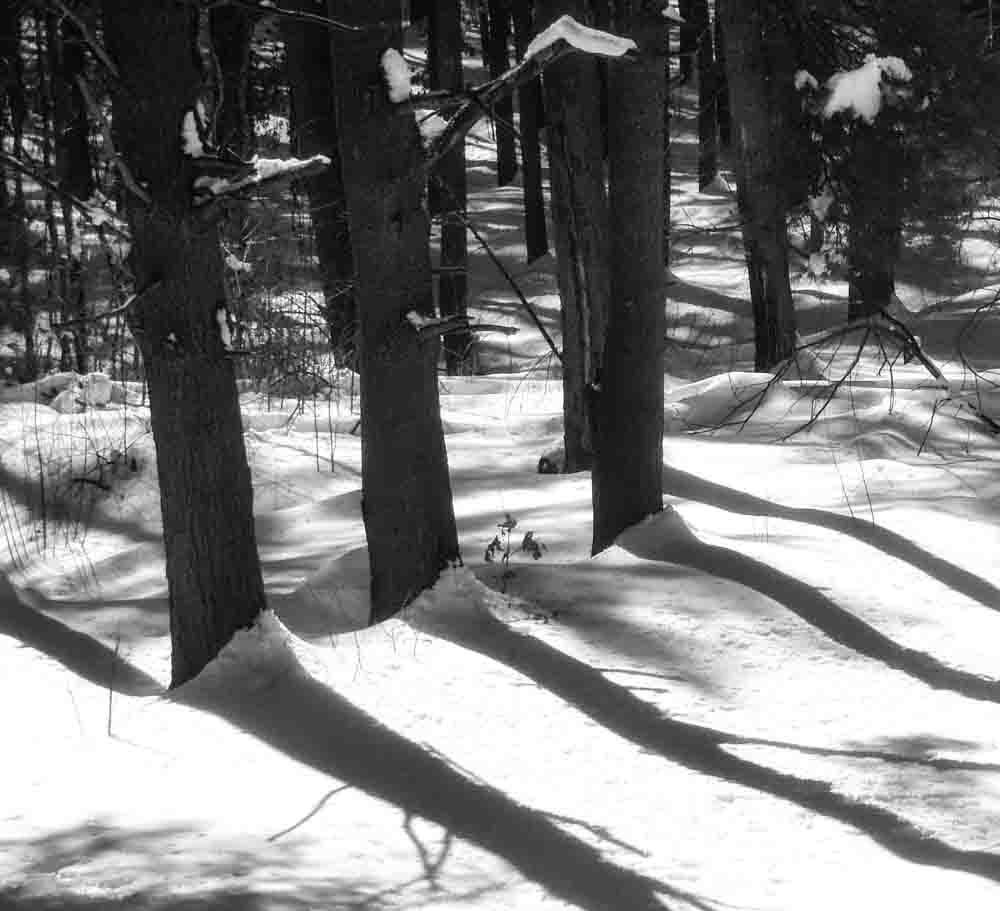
point(781, 693)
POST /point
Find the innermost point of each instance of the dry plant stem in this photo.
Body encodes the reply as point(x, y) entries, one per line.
point(102, 124)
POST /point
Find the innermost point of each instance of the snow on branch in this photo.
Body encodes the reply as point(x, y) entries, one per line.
point(860, 92)
point(261, 171)
point(582, 38)
point(563, 37)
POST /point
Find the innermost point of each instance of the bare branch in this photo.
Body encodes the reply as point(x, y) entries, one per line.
point(101, 122)
point(99, 52)
point(107, 314)
point(265, 173)
point(301, 16)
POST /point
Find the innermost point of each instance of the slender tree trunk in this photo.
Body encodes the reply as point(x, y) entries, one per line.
point(628, 464)
point(448, 182)
point(580, 220)
point(722, 111)
point(213, 570)
point(688, 44)
point(708, 163)
point(498, 60)
point(407, 501)
point(668, 171)
point(310, 74)
point(757, 61)
point(529, 102)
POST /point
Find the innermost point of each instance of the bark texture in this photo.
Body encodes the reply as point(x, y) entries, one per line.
point(310, 76)
point(628, 464)
point(407, 501)
point(760, 70)
point(213, 570)
point(580, 221)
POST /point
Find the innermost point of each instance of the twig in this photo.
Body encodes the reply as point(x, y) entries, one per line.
point(101, 122)
point(302, 16)
point(99, 52)
point(107, 314)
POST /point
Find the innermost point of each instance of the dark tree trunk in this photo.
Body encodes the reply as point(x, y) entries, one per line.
point(668, 171)
point(708, 163)
point(874, 211)
point(628, 464)
point(688, 44)
point(757, 58)
point(448, 182)
point(722, 81)
point(407, 508)
point(231, 28)
point(213, 570)
point(580, 220)
point(498, 60)
point(310, 74)
point(529, 102)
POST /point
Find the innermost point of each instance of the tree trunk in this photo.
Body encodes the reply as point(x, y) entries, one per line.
point(874, 207)
point(580, 220)
point(722, 111)
point(668, 171)
point(310, 74)
point(497, 59)
point(231, 28)
point(529, 103)
point(628, 463)
point(448, 186)
point(757, 60)
point(213, 570)
point(708, 164)
point(407, 508)
point(688, 44)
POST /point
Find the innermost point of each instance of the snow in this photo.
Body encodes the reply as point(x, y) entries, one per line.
point(225, 333)
point(236, 264)
point(710, 714)
point(860, 92)
point(582, 37)
point(190, 137)
point(397, 75)
point(804, 79)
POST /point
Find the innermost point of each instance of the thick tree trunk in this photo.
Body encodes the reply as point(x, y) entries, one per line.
point(408, 510)
point(668, 171)
point(760, 78)
point(628, 464)
point(580, 220)
point(448, 188)
point(498, 60)
point(529, 103)
point(213, 570)
point(722, 110)
point(310, 75)
point(874, 207)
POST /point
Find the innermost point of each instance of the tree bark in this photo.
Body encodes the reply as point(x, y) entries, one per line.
point(310, 75)
point(760, 74)
point(231, 28)
point(628, 464)
point(498, 60)
point(580, 221)
point(213, 569)
point(708, 154)
point(529, 103)
point(407, 502)
point(722, 111)
point(448, 182)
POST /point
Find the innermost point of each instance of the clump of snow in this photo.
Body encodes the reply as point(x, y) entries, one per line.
point(68, 401)
point(96, 389)
point(222, 318)
point(431, 127)
point(582, 37)
point(397, 75)
point(190, 137)
point(820, 205)
point(236, 264)
point(418, 320)
point(805, 80)
point(860, 91)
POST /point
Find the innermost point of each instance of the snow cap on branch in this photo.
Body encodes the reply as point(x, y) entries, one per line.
point(397, 75)
point(860, 91)
point(581, 37)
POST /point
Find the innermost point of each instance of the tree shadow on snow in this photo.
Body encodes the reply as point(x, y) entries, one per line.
point(687, 486)
point(312, 724)
point(703, 749)
point(78, 652)
point(814, 608)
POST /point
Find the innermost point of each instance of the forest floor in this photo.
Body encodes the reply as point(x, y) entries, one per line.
point(781, 693)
